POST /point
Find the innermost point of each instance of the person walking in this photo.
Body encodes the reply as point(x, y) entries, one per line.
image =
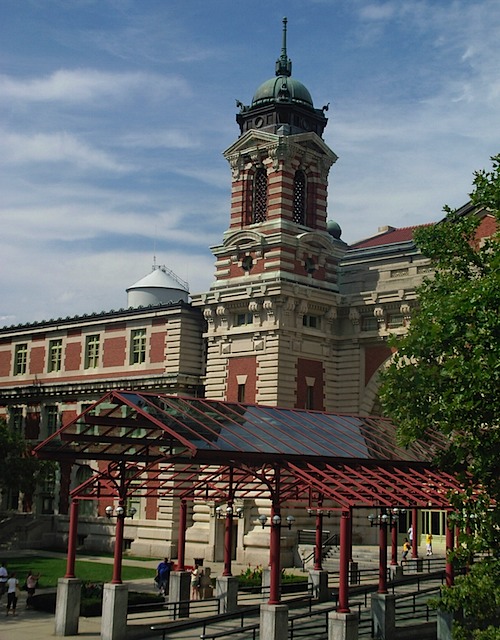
point(12, 593)
point(406, 549)
point(163, 576)
point(31, 583)
point(428, 544)
point(196, 582)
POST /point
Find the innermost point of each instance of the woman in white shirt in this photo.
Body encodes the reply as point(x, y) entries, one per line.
point(12, 591)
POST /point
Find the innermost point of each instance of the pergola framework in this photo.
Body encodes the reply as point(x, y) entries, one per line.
point(155, 445)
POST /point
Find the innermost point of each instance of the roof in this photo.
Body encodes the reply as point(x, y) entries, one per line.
point(160, 277)
point(391, 236)
point(202, 449)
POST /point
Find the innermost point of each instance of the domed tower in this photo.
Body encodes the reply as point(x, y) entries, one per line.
point(271, 311)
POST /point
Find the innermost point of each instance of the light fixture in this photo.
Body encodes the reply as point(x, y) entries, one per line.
point(229, 510)
point(262, 519)
point(276, 520)
point(239, 512)
point(218, 511)
point(119, 512)
point(290, 520)
point(386, 518)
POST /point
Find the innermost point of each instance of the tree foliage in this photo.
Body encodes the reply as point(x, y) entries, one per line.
point(445, 375)
point(19, 470)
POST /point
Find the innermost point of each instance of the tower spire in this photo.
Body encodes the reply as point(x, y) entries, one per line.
point(283, 63)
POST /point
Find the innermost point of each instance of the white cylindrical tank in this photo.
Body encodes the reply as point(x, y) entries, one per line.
point(158, 287)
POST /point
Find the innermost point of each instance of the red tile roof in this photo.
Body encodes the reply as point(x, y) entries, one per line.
point(392, 236)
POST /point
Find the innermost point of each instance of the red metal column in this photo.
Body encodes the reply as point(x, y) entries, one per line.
point(118, 556)
point(344, 563)
point(450, 576)
point(181, 539)
point(350, 534)
point(382, 568)
point(394, 542)
point(414, 524)
point(228, 540)
point(274, 557)
point(72, 539)
point(318, 541)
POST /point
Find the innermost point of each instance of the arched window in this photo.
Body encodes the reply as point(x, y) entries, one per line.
point(260, 196)
point(299, 197)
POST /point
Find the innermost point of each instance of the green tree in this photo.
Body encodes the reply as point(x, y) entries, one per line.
point(445, 379)
point(19, 470)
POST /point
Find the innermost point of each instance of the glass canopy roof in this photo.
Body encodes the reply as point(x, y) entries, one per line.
point(151, 426)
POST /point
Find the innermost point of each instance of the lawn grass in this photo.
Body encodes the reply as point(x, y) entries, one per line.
point(51, 569)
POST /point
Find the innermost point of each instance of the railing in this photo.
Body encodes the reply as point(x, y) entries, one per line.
point(415, 605)
point(326, 545)
point(174, 610)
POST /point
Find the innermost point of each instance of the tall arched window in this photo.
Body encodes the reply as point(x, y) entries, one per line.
point(299, 197)
point(260, 196)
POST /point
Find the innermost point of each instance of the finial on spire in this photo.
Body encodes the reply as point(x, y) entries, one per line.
point(283, 63)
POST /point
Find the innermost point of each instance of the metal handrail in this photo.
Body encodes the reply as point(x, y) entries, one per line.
point(331, 541)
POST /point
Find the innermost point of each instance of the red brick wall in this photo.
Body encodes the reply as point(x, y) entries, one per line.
point(5, 363)
point(73, 356)
point(157, 346)
point(374, 357)
point(37, 359)
point(310, 369)
point(246, 365)
point(114, 351)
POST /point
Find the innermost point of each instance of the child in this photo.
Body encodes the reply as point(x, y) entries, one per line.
point(406, 549)
point(428, 544)
point(12, 593)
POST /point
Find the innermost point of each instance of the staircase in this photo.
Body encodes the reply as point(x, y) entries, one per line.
point(23, 530)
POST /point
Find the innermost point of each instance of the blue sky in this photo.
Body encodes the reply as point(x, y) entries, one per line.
point(114, 115)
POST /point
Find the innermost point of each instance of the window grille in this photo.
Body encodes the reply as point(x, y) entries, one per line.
point(92, 352)
point(55, 355)
point(138, 346)
point(299, 197)
point(20, 359)
point(260, 196)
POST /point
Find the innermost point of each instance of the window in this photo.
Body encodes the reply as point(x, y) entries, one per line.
point(138, 346)
point(20, 359)
point(51, 419)
point(299, 197)
point(260, 196)
point(16, 419)
point(241, 392)
point(312, 322)
point(309, 397)
point(243, 318)
point(55, 355)
point(92, 352)
point(395, 320)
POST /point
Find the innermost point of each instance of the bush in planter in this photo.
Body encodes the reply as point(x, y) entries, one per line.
point(91, 602)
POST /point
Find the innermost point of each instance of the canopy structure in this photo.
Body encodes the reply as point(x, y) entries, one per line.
point(155, 445)
point(206, 449)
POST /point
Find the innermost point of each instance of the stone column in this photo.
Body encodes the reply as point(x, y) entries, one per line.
point(444, 625)
point(342, 626)
point(180, 591)
point(69, 592)
point(274, 621)
point(319, 582)
point(384, 615)
point(226, 589)
point(114, 611)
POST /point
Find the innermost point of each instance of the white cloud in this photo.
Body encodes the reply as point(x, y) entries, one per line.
point(52, 148)
point(79, 86)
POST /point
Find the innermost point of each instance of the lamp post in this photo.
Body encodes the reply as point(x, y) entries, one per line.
point(228, 513)
point(383, 520)
point(120, 515)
